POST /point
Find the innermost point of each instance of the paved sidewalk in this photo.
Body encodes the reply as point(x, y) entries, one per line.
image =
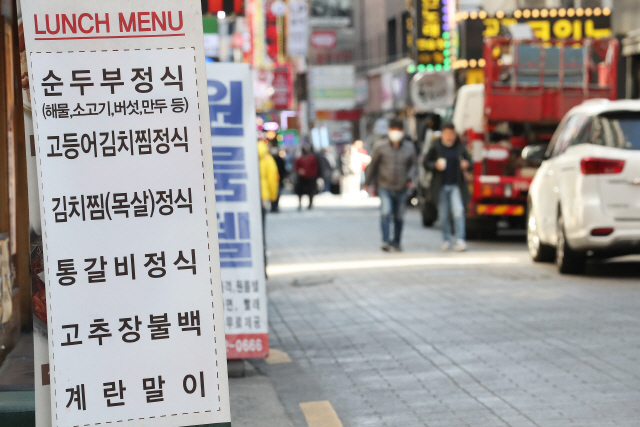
point(254, 402)
point(494, 342)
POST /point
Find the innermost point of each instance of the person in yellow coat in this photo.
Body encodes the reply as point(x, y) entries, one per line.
point(269, 176)
point(269, 187)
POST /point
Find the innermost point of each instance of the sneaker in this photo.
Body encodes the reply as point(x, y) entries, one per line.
point(385, 246)
point(395, 248)
point(460, 246)
point(445, 246)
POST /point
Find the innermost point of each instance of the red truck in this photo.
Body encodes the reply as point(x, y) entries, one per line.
point(528, 87)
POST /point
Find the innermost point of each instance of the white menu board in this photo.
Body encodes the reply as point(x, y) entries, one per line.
point(134, 306)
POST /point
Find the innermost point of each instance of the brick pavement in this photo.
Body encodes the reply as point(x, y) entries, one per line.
point(495, 344)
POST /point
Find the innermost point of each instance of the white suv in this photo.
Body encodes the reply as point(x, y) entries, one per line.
point(585, 197)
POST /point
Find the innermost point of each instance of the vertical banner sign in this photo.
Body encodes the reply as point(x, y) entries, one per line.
point(131, 264)
point(407, 33)
point(298, 30)
point(433, 35)
point(282, 87)
point(235, 161)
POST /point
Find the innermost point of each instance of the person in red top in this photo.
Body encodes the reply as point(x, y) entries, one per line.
point(306, 167)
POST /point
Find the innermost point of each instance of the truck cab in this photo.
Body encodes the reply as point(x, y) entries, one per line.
point(529, 85)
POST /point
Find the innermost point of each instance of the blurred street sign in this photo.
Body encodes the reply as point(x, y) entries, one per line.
point(236, 172)
point(290, 137)
point(134, 310)
point(324, 39)
point(332, 87)
point(298, 30)
point(430, 91)
point(282, 87)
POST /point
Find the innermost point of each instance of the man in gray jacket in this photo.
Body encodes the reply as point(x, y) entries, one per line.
point(391, 169)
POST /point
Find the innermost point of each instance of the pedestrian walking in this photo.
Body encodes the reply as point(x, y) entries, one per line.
point(391, 170)
point(306, 167)
point(282, 172)
point(326, 166)
point(269, 176)
point(448, 160)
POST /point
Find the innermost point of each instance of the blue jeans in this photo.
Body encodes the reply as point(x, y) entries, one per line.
point(392, 207)
point(450, 203)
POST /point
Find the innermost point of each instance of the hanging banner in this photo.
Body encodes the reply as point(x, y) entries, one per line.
point(298, 30)
point(282, 84)
point(235, 161)
point(256, 22)
point(130, 250)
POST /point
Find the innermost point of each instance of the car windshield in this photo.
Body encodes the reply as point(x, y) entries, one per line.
point(622, 130)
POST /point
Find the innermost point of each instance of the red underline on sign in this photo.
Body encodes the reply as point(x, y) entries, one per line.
point(110, 37)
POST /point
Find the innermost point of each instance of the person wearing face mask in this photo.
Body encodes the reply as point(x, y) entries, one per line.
point(392, 166)
point(448, 159)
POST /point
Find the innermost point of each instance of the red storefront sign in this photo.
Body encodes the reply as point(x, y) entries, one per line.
point(282, 97)
point(350, 115)
point(324, 39)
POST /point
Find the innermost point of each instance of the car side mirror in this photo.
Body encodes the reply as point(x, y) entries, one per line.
point(535, 153)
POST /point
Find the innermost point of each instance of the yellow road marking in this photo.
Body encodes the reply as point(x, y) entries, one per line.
point(277, 356)
point(320, 414)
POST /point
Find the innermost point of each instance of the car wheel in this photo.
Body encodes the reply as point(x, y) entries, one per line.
point(568, 260)
point(539, 251)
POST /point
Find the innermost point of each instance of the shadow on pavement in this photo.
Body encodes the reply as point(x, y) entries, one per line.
point(616, 267)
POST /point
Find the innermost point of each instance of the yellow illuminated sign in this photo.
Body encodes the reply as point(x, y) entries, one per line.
point(546, 29)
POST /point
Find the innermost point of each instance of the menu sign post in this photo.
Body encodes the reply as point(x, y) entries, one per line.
point(126, 188)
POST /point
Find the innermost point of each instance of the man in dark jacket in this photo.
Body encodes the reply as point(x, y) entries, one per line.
point(448, 159)
point(391, 169)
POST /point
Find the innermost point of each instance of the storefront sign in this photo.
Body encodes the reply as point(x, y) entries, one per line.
point(290, 137)
point(430, 91)
point(324, 39)
point(433, 34)
point(282, 84)
point(332, 87)
point(235, 163)
point(546, 24)
point(133, 301)
point(407, 33)
point(394, 89)
point(331, 13)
